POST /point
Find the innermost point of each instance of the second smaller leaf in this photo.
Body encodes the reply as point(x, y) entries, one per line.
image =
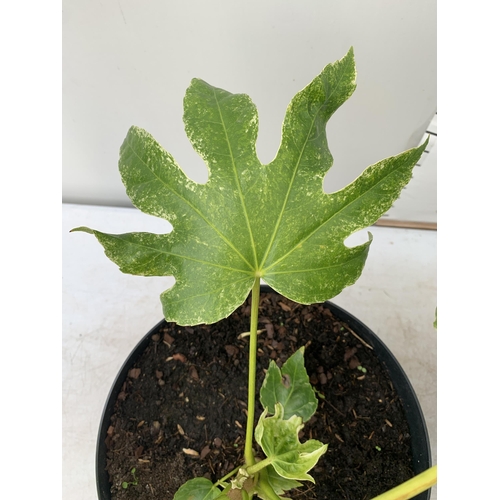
point(279, 440)
point(290, 387)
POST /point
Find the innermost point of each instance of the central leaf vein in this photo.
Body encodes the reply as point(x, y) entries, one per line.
point(285, 201)
point(238, 184)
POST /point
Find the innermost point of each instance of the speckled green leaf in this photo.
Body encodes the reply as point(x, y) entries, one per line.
point(289, 386)
point(249, 220)
point(279, 439)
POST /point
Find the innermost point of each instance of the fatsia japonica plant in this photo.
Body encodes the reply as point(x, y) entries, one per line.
point(249, 222)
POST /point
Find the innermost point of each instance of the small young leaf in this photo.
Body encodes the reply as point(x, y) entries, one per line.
point(279, 439)
point(199, 488)
point(289, 386)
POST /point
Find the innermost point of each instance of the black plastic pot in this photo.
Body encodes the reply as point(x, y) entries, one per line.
point(418, 431)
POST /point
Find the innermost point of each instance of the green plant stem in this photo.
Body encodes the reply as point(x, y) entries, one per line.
point(259, 466)
point(412, 487)
point(252, 371)
point(226, 477)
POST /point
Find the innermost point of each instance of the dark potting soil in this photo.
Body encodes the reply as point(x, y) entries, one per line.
point(182, 410)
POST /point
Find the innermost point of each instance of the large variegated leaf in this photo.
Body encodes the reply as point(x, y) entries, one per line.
point(251, 221)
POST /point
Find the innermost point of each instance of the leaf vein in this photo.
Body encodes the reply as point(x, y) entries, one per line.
point(238, 184)
point(194, 208)
point(333, 215)
point(297, 165)
point(186, 257)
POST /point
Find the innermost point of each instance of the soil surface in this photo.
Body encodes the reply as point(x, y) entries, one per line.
point(182, 410)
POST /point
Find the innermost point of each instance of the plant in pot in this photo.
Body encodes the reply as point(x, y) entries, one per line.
point(251, 222)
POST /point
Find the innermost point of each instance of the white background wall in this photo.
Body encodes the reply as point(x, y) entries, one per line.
point(129, 62)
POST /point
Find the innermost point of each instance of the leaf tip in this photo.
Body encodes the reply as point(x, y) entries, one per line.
point(82, 229)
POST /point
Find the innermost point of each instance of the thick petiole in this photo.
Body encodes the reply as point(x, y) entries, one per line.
point(252, 371)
